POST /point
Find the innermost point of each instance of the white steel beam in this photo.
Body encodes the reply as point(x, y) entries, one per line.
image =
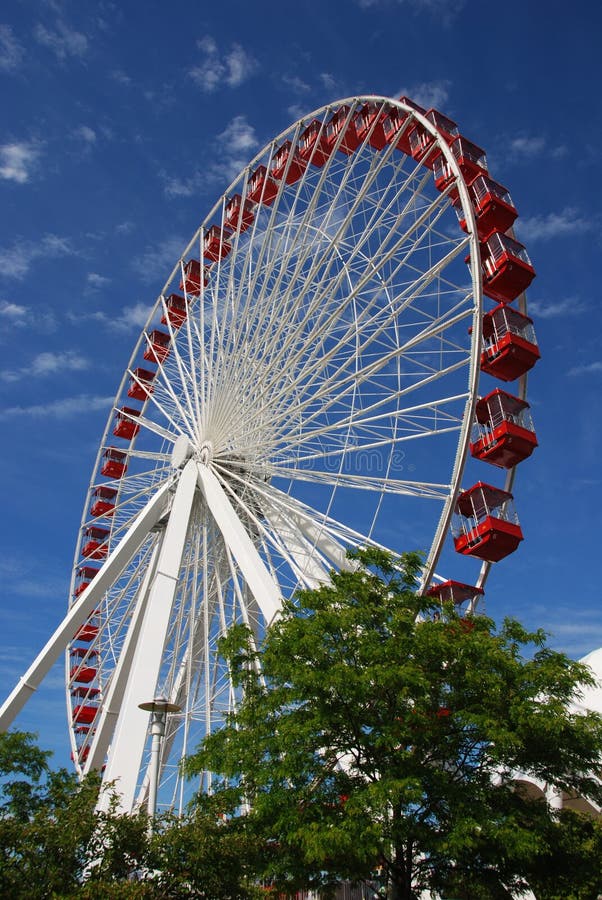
point(261, 584)
point(127, 748)
point(85, 605)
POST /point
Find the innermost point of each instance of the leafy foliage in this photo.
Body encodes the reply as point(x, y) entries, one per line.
point(378, 736)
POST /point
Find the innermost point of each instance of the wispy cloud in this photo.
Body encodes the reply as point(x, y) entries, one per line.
point(428, 93)
point(86, 134)
point(46, 364)
point(96, 282)
point(18, 160)
point(13, 312)
point(15, 315)
point(62, 40)
point(11, 51)
point(570, 306)
point(65, 408)
point(234, 148)
point(527, 146)
point(158, 260)
point(555, 224)
point(15, 261)
point(591, 368)
point(443, 11)
point(231, 68)
point(131, 318)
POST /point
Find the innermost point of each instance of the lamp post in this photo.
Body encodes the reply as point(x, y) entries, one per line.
point(159, 707)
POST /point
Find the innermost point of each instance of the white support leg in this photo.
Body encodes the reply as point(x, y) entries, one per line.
point(261, 584)
point(127, 748)
point(86, 604)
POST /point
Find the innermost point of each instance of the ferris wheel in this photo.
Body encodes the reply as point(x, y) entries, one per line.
point(306, 381)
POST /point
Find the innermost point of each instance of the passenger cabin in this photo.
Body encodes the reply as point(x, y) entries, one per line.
point(103, 501)
point(486, 526)
point(313, 144)
point(503, 433)
point(95, 544)
point(86, 633)
point(175, 311)
point(157, 348)
point(215, 245)
point(493, 207)
point(82, 691)
point(239, 216)
point(190, 282)
point(369, 124)
point(509, 343)
point(287, 164)
point(83, 577)
point(471, 162)
point(464, 597)
point(83, 674)
point(84, 714)
point(399, 125)
point(115, 463)
point(126, 426)
point(261, 188)
point(140, 386)
point(507, 269)
point(342, 122)
point(421, 140)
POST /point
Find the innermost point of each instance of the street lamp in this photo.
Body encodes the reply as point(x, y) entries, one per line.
point(159, 707)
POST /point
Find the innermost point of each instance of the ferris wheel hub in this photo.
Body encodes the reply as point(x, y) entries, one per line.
point(206, 453)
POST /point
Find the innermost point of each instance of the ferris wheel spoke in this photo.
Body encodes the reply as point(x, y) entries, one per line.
point(370, 483)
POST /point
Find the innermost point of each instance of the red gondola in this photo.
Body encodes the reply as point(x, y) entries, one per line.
point(471, 161)
point(95, 542)
point(84, 714)
point(84, 576)
point(342, 121)
point(191, 280)
point(238, 215)
point(157, 348)
point(286, 165)
point(503, 433)
point(87, 632)
point(493, 207)
point(114, 465)
point(103, 501)
point(262, 189)
point(507, 269)
point(82, 674)
point(126, 426)
point(398, 125)
point(421, 139)
point(215, 245)
point(141, 387)
point(509, 343)
point(175, 312)
point(369, 124)
point(456, 592)
point(82, 691)
point(486, 525)
point(313, 144)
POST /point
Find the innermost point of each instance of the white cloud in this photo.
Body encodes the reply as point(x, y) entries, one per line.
point(17, 161)
point(591, 368)
point(570, 306)
point(13, 312)
point(527, 147)
point(428, 93)
point(11, 51)
point(59, 409)
point(131, 318)
point(158, 260)
point(16, 260)
point(45, 364)
point(542, 228)
point(232, 68)
point(444, 11)
point(85, 133)
point(63, 41)
point(296, 84)
point(96, 281)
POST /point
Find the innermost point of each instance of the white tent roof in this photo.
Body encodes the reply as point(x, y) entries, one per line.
point(592, 697)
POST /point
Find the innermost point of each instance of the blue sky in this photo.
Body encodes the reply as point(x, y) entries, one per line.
point(124, 122)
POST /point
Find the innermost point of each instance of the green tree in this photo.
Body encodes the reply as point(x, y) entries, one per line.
point(379, 737)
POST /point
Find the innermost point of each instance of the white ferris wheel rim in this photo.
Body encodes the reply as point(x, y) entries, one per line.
point(241, 377)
